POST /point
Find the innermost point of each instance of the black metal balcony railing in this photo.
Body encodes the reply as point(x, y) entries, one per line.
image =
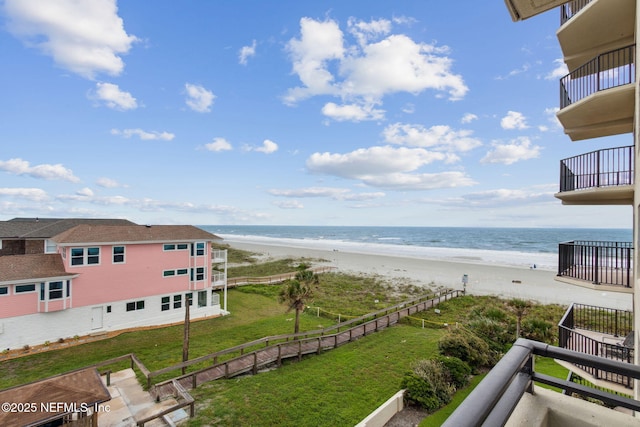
point(570, 9)
point(493, 401)
point(606, 71)
point(601, 168)
point(601, 320)
point(602, 263)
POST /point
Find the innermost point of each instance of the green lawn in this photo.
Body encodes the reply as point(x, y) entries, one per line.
point(338, 387)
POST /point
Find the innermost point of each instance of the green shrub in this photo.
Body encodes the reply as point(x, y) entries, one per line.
point(427, 385)
point(539, 330)
point(467, 347)
point(496, 334)
point(458, 371)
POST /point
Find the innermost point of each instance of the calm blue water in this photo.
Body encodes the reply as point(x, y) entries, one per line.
point(529, 240)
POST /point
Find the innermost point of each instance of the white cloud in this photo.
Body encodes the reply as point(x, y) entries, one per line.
point(370, 68)
point(267, 147)
point(388, 167)
point(559, 71)
point(515, 72)
point(519, 149)
point(351, 112)
point(441, 137)
point(198, 98)
point(111, 95)
point(468, 118)
point(218, 144)
point(34, 194)
point(552, 117)
point(514, 120)
point(289, 204)
point(44, 171)
point(328, 192)
point(108, 183)
point(143, 135)
point(85, 192)
point(246, 52)
point(505, 197)
point(85, 37)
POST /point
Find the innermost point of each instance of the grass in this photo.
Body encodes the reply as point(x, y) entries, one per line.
point(338, 387)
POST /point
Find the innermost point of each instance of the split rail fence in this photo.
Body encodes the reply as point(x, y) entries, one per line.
point(277, 348)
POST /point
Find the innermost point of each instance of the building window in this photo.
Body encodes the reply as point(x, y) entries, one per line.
point(182, 271)
point(189, 298)
point(56, 290)
point(135, 305)
point(215, 298)
point(197, 273)
point(50, 247)
point(4, 290)
point(25, 288)
point(108, 309)
point(82, 256)
point(175, 247)
point(169, 273)
point(118, 254)
point(198, 249)
point(166, 303)
point(202, 299)
point(177, 301)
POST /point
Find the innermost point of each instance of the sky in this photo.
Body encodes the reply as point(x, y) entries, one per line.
point(420, 113)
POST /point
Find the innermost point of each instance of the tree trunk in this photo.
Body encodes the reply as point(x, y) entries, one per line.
point(296, 327)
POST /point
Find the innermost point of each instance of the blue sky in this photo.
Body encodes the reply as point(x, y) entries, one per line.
point(370, 112)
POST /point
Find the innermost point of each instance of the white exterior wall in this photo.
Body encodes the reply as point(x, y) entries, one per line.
point(35, 329)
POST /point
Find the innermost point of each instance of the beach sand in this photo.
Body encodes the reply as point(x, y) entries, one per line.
point(483, 279)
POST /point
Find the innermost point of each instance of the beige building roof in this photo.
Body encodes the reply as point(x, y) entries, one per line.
point(31, 267)
point(79, 389)
point(44, 228)
point(86, 233)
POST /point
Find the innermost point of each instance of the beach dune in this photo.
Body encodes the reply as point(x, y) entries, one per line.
point(482, 279)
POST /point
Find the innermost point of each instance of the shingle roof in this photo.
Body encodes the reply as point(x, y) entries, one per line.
point(45, 228)
point(27, 267)
point(132, 233)
point(82, 388)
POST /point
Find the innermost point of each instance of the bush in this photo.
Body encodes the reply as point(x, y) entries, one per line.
point(496, 334)
point(539, 330)
point(467, 347)
point(427, 385)
point(458, 371)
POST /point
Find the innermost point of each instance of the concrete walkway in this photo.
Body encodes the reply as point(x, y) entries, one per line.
point(129, 402)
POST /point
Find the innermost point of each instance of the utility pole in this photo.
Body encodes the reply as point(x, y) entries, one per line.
point(187, 324)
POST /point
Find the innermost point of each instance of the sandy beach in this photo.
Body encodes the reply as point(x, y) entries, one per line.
point(504, 281)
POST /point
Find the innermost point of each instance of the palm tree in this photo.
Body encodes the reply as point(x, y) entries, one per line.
point(297, 292)
point(519, 307)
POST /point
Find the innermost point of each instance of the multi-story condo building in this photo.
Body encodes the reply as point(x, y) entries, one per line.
point(599, 97)
point(67, 278)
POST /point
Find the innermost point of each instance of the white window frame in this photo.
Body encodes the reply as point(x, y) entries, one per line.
point(123, 254)
point(85, 256)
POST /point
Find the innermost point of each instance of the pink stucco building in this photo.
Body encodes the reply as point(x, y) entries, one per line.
point(62, 278)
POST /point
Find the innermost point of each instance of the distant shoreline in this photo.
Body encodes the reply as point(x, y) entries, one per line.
point(483, 279)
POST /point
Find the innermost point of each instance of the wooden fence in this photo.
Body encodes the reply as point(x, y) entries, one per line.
point(269, 280)
point(281, 347)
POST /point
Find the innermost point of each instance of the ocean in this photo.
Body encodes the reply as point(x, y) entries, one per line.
point(501, 246)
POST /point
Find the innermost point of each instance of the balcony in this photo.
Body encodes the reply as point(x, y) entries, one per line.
point(603, 332)
point(591, 27)
point(508, 395)
point(524, 9)
point(602, 177)
point(596, 265)
point(597, 99)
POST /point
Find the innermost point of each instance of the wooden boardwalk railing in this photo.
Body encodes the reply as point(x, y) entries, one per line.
point(289, 346)
point(268, 280)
